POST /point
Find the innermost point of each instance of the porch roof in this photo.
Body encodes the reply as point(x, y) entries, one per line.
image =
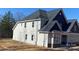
point(58, 32)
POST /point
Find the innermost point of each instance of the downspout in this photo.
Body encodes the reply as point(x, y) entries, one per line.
point(53, 38)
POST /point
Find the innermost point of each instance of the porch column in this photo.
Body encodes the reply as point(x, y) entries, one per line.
point(52, 41)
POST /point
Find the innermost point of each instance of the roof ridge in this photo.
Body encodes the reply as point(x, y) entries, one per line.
point(58, 9)
point(36, 14)
point(53, 13)
point(41, 10)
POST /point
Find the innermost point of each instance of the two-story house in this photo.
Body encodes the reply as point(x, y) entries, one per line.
point(49, 29)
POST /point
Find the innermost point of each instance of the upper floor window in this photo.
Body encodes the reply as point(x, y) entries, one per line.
point(25, 25)
point(33, 24)
point(32, 37)
point(60, 13)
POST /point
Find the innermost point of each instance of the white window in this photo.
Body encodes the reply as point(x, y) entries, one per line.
point(25, 25)
point(33, 24)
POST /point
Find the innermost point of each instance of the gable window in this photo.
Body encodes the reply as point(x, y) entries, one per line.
point(32, 37)
point(60, 13)
point(33, 24)
point(26, 37)
point(25, 25)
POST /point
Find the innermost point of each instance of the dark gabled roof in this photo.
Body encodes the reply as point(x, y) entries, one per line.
point(67, 26)
point(50, 25)
point(51, 16)
point(38, 14)
point(69, 21)
point(71, 24)
point(53, 13)
point(43, 14)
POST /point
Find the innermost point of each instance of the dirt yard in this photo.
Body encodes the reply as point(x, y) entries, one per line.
point(11, 45)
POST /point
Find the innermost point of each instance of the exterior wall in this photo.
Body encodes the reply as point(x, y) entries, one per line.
point(42, 39)
point(29, 30)
point(73, 38)
point(20, 31)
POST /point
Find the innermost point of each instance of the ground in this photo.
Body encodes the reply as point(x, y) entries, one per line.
point(11, 45)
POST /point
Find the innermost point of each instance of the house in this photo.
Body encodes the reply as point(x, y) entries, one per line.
point(48, 29)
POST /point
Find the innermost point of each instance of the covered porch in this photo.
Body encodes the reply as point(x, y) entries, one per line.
point(62, 39)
